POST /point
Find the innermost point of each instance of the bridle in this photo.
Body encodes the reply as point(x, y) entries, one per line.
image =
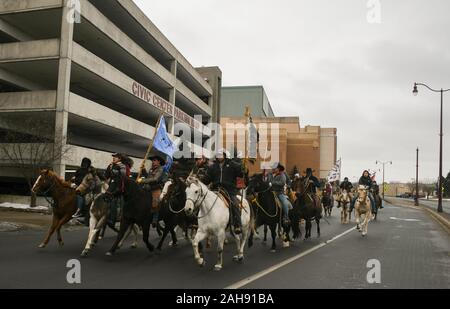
point(50, 201)
point(199, 202)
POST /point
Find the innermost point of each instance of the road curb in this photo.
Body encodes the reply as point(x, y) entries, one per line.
point(434, 214)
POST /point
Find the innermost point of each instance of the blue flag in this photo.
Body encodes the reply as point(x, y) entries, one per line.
point(162, 141)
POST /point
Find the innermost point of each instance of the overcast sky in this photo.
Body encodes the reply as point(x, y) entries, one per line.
point(323, 61)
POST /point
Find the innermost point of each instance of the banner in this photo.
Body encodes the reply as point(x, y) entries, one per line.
point(335, 173)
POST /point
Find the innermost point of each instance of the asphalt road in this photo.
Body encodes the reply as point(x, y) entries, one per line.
point(413, 251)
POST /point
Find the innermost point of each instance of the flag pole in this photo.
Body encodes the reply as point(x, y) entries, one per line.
point(149, 149)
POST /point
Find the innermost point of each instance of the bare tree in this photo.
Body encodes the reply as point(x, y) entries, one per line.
point(32, 149)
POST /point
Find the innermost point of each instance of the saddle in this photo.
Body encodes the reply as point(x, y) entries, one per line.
point(223, 195)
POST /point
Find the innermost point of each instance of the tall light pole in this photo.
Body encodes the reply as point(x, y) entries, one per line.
point(384, 163)
point(416, 199)
point(415, 92)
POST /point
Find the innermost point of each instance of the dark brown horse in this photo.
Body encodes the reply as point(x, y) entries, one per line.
point(307, 206)
point(50, 185)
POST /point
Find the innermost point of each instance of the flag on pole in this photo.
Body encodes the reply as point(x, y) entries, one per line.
point(163, 143)
point(335, 173)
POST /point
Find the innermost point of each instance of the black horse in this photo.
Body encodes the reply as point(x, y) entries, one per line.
point(136, 209)
point(307, 207)
point(172, 211)
point(265, 207)
point(327, 203)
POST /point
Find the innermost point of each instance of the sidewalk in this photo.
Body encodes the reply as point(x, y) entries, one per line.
point(442, 218)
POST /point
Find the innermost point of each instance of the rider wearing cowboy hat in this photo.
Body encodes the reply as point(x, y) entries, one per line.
point(223, 174)
point(278, 182)
point(154, 182)
point(312, 180)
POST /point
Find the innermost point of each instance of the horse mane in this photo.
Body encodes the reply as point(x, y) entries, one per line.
point(61, 181)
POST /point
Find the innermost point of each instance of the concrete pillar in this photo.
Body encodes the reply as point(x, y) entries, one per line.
point(172, 96)
point(62, 95)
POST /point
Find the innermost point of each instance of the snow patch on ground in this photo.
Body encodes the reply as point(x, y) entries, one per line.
point(8, 227)
point(22, 206)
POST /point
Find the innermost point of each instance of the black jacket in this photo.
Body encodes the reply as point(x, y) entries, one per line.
point(365, 181)
point(79, 175)
point(224, 175)
point(316, 183)
point(346, 185)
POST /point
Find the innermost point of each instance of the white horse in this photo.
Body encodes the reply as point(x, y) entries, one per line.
point(93, 188)
point(213, 218)
point(345, 200)
point(363, 207)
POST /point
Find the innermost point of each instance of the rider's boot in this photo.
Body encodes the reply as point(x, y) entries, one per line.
point(237, 220)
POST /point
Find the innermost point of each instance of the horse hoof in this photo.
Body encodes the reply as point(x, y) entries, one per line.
point(133, 246)
point(286, 244)
point(238, 258)
point(201, 262)
point(109, 254)
point(151, 248)
point(100, 238)
point(41, 246)
point(84, 253)
point(363, 234)
point(273, 250)
point(61, 243)
point(218, 267)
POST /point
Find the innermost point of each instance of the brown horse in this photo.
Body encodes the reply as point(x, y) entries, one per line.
point(307, 206)
point(64, 206)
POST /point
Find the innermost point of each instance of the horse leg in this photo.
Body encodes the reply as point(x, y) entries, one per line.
point(102, 232)
point(94, 228)
point(308, 227)
point(125, 236)
point(318, 227)
point(220, 241)
point(124, 225)
point(165, 232)
point(61, 222)
point(273, 232)
point(174, 237)
point(136, 233)
point(199, 236)
point(366, 224)
point(50, 232)
point(250, 239)
point(357, 220)
point(145, 235)
point(265, 232)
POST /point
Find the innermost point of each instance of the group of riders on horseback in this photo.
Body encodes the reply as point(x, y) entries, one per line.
point(220, 175)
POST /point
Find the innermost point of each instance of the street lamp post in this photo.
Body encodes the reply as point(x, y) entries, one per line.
point(415, 92)
point(384, 163)
point(416, 199)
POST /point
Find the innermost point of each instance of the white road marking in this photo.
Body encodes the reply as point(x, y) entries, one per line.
point(273, 268)
point(407, 220)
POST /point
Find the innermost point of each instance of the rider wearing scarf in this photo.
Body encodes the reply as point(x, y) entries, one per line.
point(365, 180)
